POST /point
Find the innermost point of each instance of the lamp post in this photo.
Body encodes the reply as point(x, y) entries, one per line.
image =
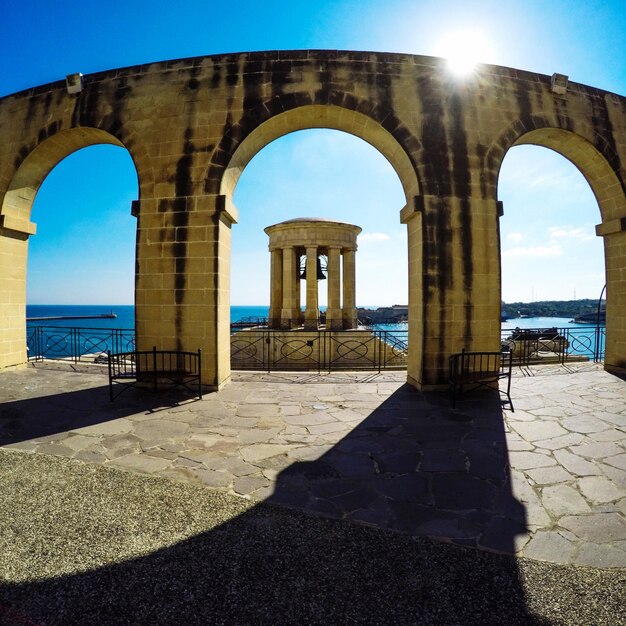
point(596, 355)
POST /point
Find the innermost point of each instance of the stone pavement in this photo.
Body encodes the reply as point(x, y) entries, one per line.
point(547, 481)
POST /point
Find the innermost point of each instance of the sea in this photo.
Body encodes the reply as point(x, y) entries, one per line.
point(125, 317)
point(581, 337)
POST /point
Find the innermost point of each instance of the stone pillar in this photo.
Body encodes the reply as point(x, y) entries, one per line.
point(614, 233)
point(334, 319)
point(459, 291)
point(276, 288)
point(13, 261)
point(311, 313)
point(183, 245)
point(289, 313)
point(349, 289)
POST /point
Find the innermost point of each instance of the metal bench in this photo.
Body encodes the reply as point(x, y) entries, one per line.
point(155, 370)
point(471, 370)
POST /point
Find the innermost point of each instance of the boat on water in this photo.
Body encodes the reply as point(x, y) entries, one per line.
point(590, 318)
point(528, 344)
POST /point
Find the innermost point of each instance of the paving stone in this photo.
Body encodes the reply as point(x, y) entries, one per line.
point(161, 454)
point(289, 409)
point(90, 456)
point(549, 546)
point(140, 463)
point(26, 446)
point(258, 435)
point(584, 424)
point(537, 430)
point(249, 484)
point(331, 427)
point(458, 491)
point(256, 452)
point(556, 443)
point(530, 460)
point(549, 475)
point(519, 445)
point(596, 527)
point(309, 419)
point(160, 429)
point(599, 489)
point(258, 410)
point(595, 555)
point(561, 500)
point(618, 461)
point(79, 442)
point(212, 478)
point(575, 464)
point(443, 461)
point(113, 427)
point(597, 450)
point(56, 449)
point(308, 453)
point(610, 435)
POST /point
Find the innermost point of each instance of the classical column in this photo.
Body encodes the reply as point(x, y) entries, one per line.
point(334, 319)
point(349, 289)
point(276, 288)
point(311, 313)
point(288, 312)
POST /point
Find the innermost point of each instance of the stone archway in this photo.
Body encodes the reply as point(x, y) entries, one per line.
point(16, 226)
point(598, 168)
point(192, 125)
point(332, 116)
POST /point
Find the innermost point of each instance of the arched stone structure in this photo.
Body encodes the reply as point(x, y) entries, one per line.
point(191, 125)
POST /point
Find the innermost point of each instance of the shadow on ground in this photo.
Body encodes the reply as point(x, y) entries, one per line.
point(413, 466)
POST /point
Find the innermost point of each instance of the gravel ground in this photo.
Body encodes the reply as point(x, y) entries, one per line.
point(85, 544)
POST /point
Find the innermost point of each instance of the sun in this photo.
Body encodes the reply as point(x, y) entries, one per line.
point(464, 49)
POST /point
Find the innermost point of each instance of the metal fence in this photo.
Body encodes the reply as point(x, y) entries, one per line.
point(268, 350)
point(555, 345)
point(77, 344)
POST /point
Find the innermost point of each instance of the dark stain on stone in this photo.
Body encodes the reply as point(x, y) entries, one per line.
point(461, 177)
point(193, 84)
point(605, 139)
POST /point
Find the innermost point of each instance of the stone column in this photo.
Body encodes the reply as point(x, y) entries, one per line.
point(311, 313)
point(276, 288)
point(334, 319)
point(288, 313)
point(349, 289)
point(614, 233)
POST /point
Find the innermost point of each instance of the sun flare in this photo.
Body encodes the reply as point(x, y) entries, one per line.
point(464, 49)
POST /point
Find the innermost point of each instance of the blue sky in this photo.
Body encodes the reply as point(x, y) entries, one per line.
point(548, 243)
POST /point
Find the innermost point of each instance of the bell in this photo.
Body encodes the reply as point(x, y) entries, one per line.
point(320, 271)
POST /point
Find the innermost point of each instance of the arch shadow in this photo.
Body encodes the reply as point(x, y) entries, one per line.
point(412, 466)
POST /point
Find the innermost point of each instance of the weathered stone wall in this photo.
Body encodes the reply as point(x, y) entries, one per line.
point(192, 125)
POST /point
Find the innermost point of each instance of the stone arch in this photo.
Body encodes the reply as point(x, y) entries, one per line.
point(380, 128)
point(285, 114)
point(597, 160)
point(600, 165)
point(31, 168)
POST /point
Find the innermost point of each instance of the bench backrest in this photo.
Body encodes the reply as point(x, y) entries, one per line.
point(126, 364)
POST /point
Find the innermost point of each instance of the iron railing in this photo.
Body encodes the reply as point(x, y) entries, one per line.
point(555, 345)
point(269, 350)
point(77, 344)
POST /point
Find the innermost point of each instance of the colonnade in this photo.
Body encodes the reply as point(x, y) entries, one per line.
point(312, 238)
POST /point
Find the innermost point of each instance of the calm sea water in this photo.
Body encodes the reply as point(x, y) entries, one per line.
point(579, 342)
point(125, 317)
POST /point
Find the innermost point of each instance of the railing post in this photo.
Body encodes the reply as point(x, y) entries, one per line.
point(154, 368)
